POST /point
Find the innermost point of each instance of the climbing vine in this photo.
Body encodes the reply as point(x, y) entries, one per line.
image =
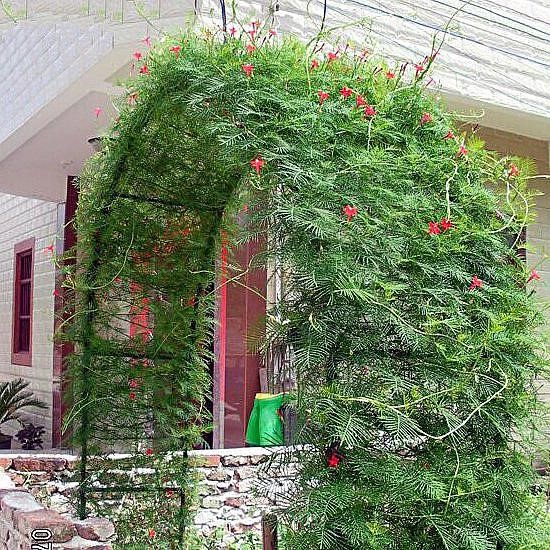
point(404, 306)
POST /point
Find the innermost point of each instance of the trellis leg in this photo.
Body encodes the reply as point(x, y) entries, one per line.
point(269, 532)
point(87, 328)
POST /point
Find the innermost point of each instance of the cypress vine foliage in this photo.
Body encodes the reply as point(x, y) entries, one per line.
point(405, 306)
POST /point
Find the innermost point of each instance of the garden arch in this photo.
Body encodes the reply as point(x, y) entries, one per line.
point(377, 210)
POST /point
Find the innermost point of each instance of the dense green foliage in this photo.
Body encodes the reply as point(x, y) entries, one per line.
point(411, 384)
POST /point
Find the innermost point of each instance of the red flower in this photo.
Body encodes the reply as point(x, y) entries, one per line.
point(257, 163)
point(426, 117)
point(333, 460)
point(449, 135)
point(147, 41)
point(149, 451)
point(138, 55)
point(272, 32)
point(49, 249)
point(252, 33)
point(446, 224)
point(419, 69)
point(390, 75)
point(232, 31)
point(248, 69)
point(350, 211)
point(476, 283)
point(370, 111)
point(433, 228)
point(323, 96)
point(132, 395)
point(360, 101)
point(535, 276)
point(152, 533)
point(314, 64)
point(98, 111)
point(514, 170)
point(176, 50)
point(56, 293)
point(133, 383)
point(345, 92)
point(144, 70)
point(250, 48)
point(462, 151)
point(331, 56)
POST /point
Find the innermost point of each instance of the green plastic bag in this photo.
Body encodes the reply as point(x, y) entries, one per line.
point(265, 427)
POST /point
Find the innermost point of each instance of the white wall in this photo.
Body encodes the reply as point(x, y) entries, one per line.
point(21, 219)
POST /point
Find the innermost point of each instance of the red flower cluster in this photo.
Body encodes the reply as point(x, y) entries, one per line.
point(332, 56)
point(257, 163)
point(534, 276)
point(176, 50)
point(349, 211)
point(346, 92)
point(426, 117)
point(449, 135)
point(476, 283)
point(419, 69)
point(333, 460)
point(513, 171)
point(323, 96)
point(138, 55)
point(390, 75)
point(144, 70)
point(314, 64)
point(360, 101)
point(250, 48)
point(248, 69)
point(434, 228)
point(369, 111)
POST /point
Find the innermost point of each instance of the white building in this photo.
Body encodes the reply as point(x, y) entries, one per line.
point(60, 62)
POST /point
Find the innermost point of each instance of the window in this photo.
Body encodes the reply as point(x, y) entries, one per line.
point(22, 303)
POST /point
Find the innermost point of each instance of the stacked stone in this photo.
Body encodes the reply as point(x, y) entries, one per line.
point(227, 500)
point(229, 505)
point(26, 524)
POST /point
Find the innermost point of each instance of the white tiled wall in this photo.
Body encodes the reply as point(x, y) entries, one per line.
point(38, 61)
point(20, 219)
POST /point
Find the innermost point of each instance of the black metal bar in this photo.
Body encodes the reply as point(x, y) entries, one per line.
point(224, 17)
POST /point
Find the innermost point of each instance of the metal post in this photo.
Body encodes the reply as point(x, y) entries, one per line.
point(269, 532)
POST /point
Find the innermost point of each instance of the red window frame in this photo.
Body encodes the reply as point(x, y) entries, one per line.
point(22, 250)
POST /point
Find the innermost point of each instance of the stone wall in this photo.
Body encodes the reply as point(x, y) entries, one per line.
point(227, 506)
point(25, 523)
